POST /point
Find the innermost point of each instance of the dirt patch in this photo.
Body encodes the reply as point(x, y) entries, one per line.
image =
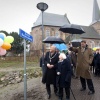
point(35, 91)
point(34, 94)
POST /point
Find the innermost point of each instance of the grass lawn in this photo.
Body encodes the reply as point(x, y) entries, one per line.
point(17, 64)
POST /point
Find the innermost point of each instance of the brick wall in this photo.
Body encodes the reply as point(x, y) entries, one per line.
point(96, 26)
point(37, 36)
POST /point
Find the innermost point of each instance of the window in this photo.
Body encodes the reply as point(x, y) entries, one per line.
point(98, 44)
point(47, 34)
point(57, 33)
point(92, 44)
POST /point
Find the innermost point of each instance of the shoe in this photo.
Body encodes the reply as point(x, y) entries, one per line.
point(49, 96)
point(82, 89)
point(67, 98)
point(60, 99)
point(91, 92)
point(56, 93)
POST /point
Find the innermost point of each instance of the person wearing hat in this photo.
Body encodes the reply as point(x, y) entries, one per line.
point(84, 59)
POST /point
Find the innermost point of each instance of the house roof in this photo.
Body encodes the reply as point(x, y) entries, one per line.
point(96, 13)
point(90, 33)
point(51, 19)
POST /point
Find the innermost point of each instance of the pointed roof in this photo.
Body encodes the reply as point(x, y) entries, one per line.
point(51, 19)
point(96, 12)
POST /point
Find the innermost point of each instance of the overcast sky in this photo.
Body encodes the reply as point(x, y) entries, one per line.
point(15, 14)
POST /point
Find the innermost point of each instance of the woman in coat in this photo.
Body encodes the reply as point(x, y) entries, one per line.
point(64, 76)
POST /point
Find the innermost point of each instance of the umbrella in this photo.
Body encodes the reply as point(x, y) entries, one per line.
point(61, 46)
point(76, 42)
point(95, 48)
point(53, 39)
point(72, 29)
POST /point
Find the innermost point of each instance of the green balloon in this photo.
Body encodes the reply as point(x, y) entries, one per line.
point(9, 39)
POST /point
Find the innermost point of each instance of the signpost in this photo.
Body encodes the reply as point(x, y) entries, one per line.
point(28, 37)
point(25, 35)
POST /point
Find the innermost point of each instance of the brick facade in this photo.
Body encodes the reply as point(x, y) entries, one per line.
point(37, 36)
point(96, 26)
point(36, 46)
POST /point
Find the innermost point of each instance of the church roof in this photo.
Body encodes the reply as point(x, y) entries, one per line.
point(90, 33)
point(96, 13)
point(51, 19)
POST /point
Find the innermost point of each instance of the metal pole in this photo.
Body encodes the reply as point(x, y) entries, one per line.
point(25, 79)
point(42, 44)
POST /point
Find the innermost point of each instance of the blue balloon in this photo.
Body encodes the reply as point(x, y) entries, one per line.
point(2, 36)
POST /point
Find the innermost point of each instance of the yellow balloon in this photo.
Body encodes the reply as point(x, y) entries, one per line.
point(9, 39)
point(95, 48)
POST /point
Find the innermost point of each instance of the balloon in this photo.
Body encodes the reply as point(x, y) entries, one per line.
point(6, 46)
point(2, 51)
point(1, 42)
point(95, 48)
point(2, 36)
point(9, 39)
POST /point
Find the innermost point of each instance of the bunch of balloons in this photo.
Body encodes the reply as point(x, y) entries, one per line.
point(5, 43)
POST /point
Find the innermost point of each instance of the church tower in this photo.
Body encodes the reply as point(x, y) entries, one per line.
point(96, 17)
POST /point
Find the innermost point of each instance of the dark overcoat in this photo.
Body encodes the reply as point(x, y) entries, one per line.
point(64, 79)
point(50, 74)
point(98, 62)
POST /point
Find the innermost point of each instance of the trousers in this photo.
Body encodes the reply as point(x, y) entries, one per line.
point(67, 91)
point(49, 89)
point(89, 83)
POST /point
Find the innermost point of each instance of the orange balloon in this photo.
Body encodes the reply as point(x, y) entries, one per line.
point(6, 46)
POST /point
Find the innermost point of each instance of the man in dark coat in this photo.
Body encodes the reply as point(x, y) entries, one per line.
point(69, 57)
point(51, 60)
point(64, 76)
point(95, 62)
point(41, 62)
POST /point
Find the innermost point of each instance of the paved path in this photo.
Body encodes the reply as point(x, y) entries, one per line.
point(83, 95)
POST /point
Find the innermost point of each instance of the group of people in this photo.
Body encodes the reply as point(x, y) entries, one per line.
point(96, 63)
point(58, 69)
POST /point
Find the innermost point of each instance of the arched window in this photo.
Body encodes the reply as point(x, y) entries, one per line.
point(57, 33)
point(47, 32)
point(99, 44)
point(92, 44)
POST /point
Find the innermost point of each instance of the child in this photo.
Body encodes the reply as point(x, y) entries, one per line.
point(64, 76)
